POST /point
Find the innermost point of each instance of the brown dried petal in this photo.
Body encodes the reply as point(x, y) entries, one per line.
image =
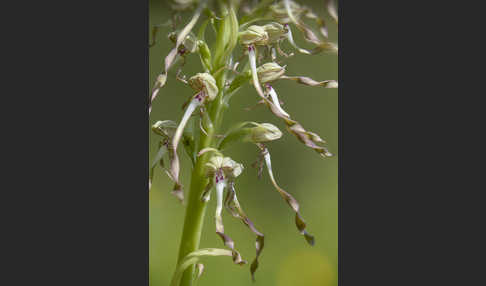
point(228, 242)
point(233, 206)
point(291, 201)
point(308, 138)
point(220, 185)
point(309, 35)
point(311, 82)
point(321, 23)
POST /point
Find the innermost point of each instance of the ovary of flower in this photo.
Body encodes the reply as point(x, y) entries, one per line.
point(275, 100)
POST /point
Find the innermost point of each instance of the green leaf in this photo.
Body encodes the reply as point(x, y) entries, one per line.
point(193, 258)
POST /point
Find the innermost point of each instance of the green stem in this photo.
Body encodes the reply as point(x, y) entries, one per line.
point(194, 219)
point(196, 208)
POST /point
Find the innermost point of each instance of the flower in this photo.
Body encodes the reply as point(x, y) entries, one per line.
point(206, 83)
point(228, 166)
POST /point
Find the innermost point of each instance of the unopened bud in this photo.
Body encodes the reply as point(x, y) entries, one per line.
point(165, 128)
point(254, 35)
point(269, 72)
point(206, 83)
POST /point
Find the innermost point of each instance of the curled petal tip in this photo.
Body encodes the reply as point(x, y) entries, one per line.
point(309, 238)
point(179, 194)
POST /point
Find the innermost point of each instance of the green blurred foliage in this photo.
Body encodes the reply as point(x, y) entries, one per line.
point(286, 259)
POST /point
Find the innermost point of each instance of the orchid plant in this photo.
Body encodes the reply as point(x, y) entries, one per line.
point(247, 50)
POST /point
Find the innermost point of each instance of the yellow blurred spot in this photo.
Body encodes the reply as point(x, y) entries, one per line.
point(307, 268)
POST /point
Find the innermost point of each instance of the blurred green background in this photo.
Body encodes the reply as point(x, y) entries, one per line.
point(286, 259)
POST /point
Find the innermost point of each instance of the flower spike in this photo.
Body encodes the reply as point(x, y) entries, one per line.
point(261, 31)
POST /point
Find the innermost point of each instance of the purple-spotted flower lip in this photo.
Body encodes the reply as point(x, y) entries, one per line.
point(219, 176)
point(182, 51)
point(200, 96)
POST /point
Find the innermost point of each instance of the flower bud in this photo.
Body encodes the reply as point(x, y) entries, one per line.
point(206, 83)
point(264, 132)
point(165, 128)
point(254, 35)
point(269, 72)
point(275, 32)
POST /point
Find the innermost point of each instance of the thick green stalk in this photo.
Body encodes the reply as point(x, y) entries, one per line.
point(196, 208)
point(194, 219)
